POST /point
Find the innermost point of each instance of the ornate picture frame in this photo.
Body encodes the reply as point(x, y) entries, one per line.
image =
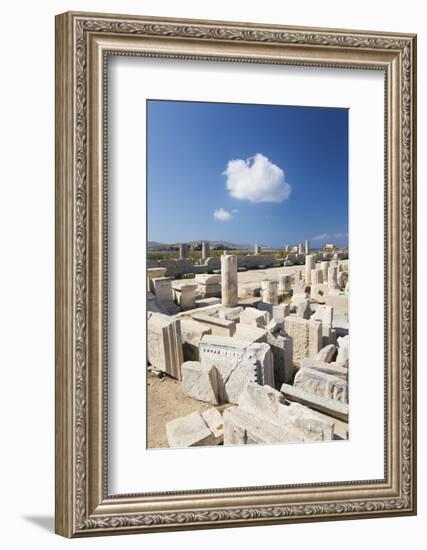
point(83, 43)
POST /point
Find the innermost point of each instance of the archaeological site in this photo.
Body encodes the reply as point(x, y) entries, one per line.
point(248, 348)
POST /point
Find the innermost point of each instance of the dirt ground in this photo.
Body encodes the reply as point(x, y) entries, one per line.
point(167, 401)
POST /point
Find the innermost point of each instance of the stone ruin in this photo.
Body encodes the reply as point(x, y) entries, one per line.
point(271, 359)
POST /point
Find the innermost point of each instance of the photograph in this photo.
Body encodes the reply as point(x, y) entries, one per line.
point(247, 255)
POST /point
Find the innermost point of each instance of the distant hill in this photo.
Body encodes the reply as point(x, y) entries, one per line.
point(228, 244)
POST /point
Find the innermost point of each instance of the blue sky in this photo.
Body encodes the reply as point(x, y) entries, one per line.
point(272, 175)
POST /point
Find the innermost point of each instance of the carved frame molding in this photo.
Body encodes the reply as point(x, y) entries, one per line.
point(83, 43)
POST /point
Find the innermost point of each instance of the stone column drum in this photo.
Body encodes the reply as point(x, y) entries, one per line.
point(332, 277)
point(269, 292)
point(324, 266)
point(285, 283)
point(183, 251)
point(229, 280)
point(310, 263)
point(205, 250)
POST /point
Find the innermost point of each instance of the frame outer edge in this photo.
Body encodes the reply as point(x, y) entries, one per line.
point(64, 275)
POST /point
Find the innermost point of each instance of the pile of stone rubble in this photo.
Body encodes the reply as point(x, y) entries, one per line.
point(274, 367)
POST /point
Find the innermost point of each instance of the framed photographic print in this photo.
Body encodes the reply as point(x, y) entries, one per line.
point(235, 203)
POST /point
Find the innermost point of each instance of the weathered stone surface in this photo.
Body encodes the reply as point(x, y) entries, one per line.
point(269, 292)
point(206, 302)
point(162, 288)
point(322, 384)
point(262, 401)
point(310, 263)
point(213, 419)
point(206, 249)
point(238, 362)
point(243, 428)
point(191, 333)
point(154, 273)
point(274, 326)
point(164, 344)
point(155, 305)
point(282, 348)
point(324, 266)
point(330, 407)
point(332, 276)
point(250, 289)
point(327, 353)
point(250, 333)
point(304, 310)
point(252, 316)
point(219, 327)
point(206, 279)
point(342, 279)
point(336, 369)
point(209, 291)
point(307, 337)
point(316, 276)
point(189, 431)
point(230, 313)
point(280, 312)
point(285, 283)
point(200, 381)
point(343, 355)
point(309, 425)
point(185, 295)
point(183, 251)
point(229, 280)
point(252, 424)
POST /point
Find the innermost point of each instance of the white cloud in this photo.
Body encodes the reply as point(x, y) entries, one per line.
point(321, 237)
point(329, 236)
point(256, 179)
point(222, 215)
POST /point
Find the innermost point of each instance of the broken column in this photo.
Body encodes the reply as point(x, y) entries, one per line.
point(332, 277)
point(257, 249)
point(269, 292)
point(164, 344)
point(229, 280)
point(183, 251)
point(205, 250)
point(316, 276)
point(310, 263)
point(324, 266)
point(300, 248)
point(307, 246)
point(285, 283)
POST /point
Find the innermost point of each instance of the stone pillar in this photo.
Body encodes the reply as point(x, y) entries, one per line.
point(324, 266)
point(257, 249)
point(183, 251)
point(229, 280)
point(316, 276)
point(307, 247)
point(332, 277)
point(205, 250)
point(310, 263)
point(285, 284)
point(287, 248)
point(300, 248)
point(269, 292)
